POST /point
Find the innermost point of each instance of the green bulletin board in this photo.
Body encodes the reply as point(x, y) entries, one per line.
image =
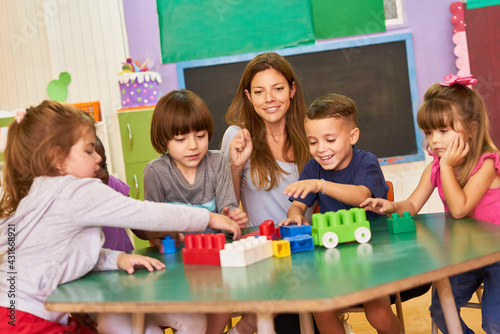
point(197, 29)
point(347, 17)
point(481, 3)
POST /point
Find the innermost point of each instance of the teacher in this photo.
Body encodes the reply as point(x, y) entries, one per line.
point(267, 147)
point(266, 142)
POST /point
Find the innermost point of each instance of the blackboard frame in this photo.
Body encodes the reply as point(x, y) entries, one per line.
point(349, 47)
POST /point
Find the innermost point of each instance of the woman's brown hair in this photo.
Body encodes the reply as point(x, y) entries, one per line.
point(37, 145)
point(458, 104)
point(177, 113)
point(264, 170)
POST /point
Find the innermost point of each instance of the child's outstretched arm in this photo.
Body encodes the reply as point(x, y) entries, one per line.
point(413, 204)
point(378, 205)
point(238, 215)
point(295, 214)
point(128, 262)
point(349, 194)
point(462, 202)
point(221, 222)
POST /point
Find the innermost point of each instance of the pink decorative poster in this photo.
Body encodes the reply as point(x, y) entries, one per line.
point(459, 38)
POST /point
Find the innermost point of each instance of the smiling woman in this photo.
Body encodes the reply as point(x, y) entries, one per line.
point(267, 147)
point(266, 142)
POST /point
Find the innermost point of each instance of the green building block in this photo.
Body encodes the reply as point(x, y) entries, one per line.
point(405, 223)
point(331, 228)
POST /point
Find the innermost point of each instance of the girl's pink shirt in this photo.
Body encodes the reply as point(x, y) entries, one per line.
point(488, 208)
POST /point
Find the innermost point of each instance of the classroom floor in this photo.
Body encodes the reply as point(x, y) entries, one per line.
point(416, 317)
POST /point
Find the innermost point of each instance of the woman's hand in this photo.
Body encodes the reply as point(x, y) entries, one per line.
point(238, 215)
point(221, 222)
point(378, 205)
point(455, 152)
point(304, 187)
point(240, 149)
point(128, 262)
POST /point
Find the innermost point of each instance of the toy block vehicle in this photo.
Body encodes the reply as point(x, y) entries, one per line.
point(331, 228)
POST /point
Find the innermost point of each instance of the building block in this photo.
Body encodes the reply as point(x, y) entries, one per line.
point(331, 228)
point(253, 234)
point(245, 252)
point(203, 248)
point(293, 230)
point(281, 248)
point(405, 223)
point(300, 243)
point(266, 229)
point(168, 245)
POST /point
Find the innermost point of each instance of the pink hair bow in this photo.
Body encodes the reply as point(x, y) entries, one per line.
point(461, 80)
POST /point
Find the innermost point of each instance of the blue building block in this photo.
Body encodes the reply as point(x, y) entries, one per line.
point(168, 245)
point(300, 243)
point(405, 223)
point(294, 230)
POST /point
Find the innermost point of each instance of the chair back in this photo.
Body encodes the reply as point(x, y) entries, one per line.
point(390, 192)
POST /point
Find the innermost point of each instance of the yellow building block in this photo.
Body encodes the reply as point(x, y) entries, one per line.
point(281, 248)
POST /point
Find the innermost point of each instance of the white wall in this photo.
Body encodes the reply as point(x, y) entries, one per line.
point(405, 178)
point(39, 39)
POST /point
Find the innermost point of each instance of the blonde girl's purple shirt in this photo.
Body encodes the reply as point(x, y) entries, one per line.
point(488, 208)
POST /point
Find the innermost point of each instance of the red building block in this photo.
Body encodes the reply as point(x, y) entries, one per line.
point(203, 248)
point(266, 229)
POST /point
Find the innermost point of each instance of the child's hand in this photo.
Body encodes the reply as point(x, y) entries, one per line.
point(237, 215)
point(240, 148)
point(155, 238)
point(304, 187)
point(221, 222)
point(128, 262)
point(455, 152)
point(378, 205)
point(299, 220)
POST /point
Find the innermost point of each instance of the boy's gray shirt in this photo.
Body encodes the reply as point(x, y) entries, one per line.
point(57, 235)
point(212, 188)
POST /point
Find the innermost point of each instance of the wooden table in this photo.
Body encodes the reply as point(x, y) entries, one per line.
point(317, 280)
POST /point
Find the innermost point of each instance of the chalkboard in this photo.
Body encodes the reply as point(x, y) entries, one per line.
point(378, 73)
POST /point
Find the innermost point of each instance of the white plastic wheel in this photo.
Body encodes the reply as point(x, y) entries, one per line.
point(362, 235)
point(330, 240)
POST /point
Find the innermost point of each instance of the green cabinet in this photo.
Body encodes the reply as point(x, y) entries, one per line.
point(5, 122)
point(136, 146)
point(137, 152)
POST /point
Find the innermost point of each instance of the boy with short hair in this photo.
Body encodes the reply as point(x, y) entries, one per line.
point(339, 176)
